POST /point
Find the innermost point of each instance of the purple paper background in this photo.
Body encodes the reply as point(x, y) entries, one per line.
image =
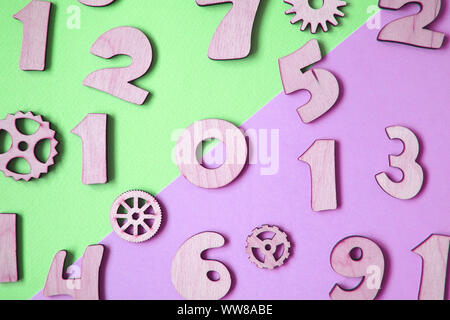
point(382, 84)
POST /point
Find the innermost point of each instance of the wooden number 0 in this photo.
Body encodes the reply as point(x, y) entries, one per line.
point(190, 270)
point(412, 30)
point(35, 18)
point(122, 40)
point(412, 181)
point(322, 84)
point(233, 37)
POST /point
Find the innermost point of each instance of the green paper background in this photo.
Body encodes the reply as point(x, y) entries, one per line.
point(59, 212)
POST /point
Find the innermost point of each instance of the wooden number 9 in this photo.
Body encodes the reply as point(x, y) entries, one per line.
point(191, 273)
point(369, 265)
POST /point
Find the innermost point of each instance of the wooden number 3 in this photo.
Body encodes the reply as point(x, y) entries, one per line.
point(413, 175)
point(116, 81)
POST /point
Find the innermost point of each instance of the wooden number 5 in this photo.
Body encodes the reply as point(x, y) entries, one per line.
point(122, 40)
point(233, 37)
point(190, 273)
point(322, 84)
point(411, 30)
point(412, 181)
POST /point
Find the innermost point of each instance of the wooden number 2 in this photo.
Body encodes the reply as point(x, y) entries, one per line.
point(321, 159)
point(122, 40)
point(35, 18)
point(92, 131)
point(369, 265)
point(412, 181)
point(233, 37)
point(412, 30)
point(434, 252)
point(322, 84)
point(96, 3)
point(190, 271)
point(8, 247)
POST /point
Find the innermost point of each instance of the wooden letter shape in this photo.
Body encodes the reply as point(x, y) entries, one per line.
point(35, 18)
point(434, 252)
point(412, 30)
point(321, 84)
point(190, 271)
point(233, 37)
point(370, 260)
point(190, 140)
point(92, 131)
point(96, 3)
point(85, 288)
point(116, 81)
point(412, 181)
point(321, 159)
point(8, 249)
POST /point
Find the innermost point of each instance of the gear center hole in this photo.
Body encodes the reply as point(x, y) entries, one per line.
point(23, 146)
point(135, 216)
point(316, 4)
point(267, 247)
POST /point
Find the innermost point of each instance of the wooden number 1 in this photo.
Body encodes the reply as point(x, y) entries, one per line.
point(321, 159)
point(35, 18)
point(8, 247)
point(434, 252)
point(92, 131)
point(322, 84)
point(233, 37)
point(412, 181)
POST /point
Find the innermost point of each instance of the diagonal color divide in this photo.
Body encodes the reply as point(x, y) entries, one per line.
point(382, 84)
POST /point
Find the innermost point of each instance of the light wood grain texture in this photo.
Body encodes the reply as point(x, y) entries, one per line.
point(321, 84)
point(434, 252)
point(116, 81)
point(412, 29)
point(232, 39)
point(35, 19)
point(369, 266)
point(321, 159)
point(8, 248)
point(92, 131)
point(96, 3)
point(413, 175)
point(190, 140)
point(190, 270)
point(84, 288)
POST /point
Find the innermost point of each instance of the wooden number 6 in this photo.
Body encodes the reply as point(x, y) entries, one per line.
point(369, 265)
point(411, 30)
point(233, 37)
point(122, 40)
point(190, 272)
point(412, 181)
point(322, 84)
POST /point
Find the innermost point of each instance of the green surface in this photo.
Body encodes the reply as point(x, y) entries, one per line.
point(58, 211)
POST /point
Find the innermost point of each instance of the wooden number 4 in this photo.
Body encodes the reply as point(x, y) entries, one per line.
point(413, 175)
point(233, 37)
point(322, 84)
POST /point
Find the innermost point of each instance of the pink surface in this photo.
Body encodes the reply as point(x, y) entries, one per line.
point(382, 84)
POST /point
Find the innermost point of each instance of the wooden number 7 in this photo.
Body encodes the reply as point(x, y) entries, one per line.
point(322, 84)
point(412, 181)
point(233, 37)
point(411, 30)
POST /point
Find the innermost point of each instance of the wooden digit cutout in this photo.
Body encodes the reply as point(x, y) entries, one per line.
point(322, 84)
point(96, 3)
point(116, 81)
point(369, 265)
point(191, 139)
point(8, 248)
point(92, 131)
point(434, 252)
point(190, 270)
point(413, 175)
point(321, 159)
point(35, 19)
point(233, 37)
point(85, 288)
point(412, 30)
